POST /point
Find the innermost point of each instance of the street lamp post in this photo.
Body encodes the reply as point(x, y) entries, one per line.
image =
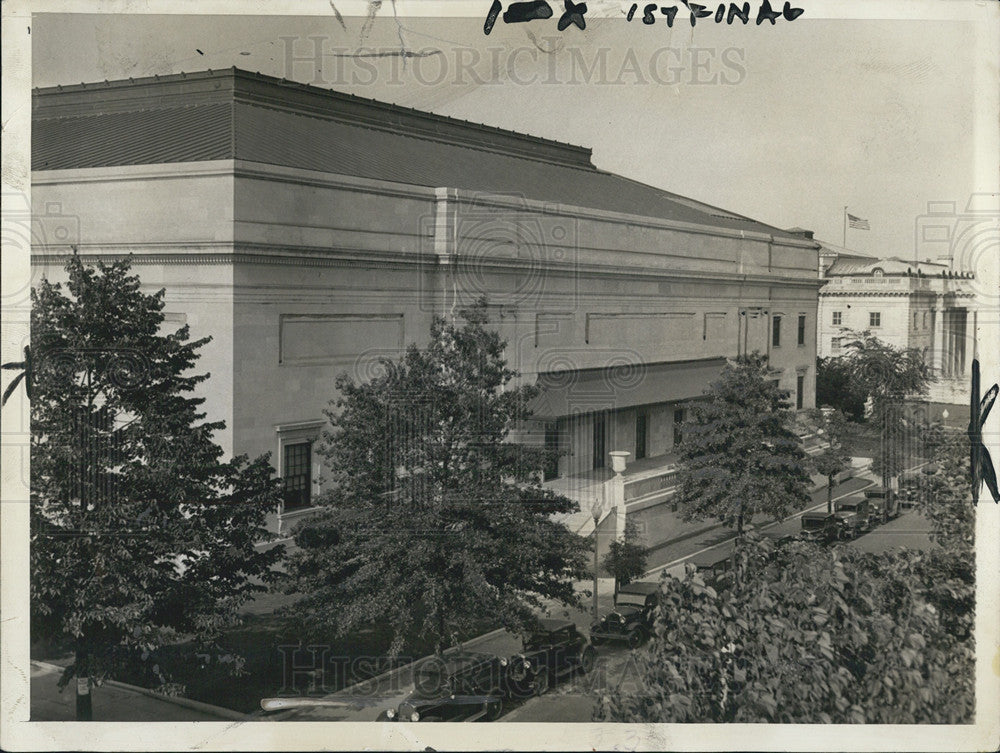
point(596, 510)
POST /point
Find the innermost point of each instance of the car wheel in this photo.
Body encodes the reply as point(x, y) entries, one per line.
point(587, 659)
point(543, 681)
point(635, 638)
point(494, 708)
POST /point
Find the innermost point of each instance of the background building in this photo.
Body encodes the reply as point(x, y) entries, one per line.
point(925, 305)
point(311, 232)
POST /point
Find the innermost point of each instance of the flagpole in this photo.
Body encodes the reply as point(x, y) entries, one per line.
point(845, 227)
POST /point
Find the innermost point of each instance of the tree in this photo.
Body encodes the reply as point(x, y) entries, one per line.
point(812, 635)
point(941, 494)
point(834, 430)
point(436, 519)
point(626, 559)
point(887, 376)
point(139, 530)
point(739, 457)
point(835, 388)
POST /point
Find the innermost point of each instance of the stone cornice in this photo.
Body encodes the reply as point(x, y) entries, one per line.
point(823, 293)
point(223, 253)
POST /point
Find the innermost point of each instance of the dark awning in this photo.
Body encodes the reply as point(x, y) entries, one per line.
point(567, 393)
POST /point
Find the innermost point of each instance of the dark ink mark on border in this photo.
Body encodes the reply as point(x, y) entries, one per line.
point(980, 464)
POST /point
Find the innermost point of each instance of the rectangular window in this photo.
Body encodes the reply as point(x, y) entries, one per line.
point(640, 435)
point(802, 329)
point(925, 320)
point(297, 478)
point(838, 318)
point(600, 437)
point(800, 384)
point(551, 469)
point(875, 319)
point(776, 332)
point(678, 426)
point(916, 323)
point(836, 343)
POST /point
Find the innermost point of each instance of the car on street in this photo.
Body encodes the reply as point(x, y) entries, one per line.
point(820, 526)
point(461, 686)
point(854, 513)
point(713, 564)
point(631, 620)
point(553, 650)
point(884, 503)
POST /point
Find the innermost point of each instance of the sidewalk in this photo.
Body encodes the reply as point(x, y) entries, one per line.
point(115, 702)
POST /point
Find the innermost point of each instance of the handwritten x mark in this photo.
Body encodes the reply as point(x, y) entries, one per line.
point(573, 15)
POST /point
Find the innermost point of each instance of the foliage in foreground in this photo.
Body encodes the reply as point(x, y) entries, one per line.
point(139, 530)
point(436, 517)
point(813, 635)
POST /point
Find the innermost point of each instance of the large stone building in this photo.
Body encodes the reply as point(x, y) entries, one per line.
point(907, 304)
point(310, 232)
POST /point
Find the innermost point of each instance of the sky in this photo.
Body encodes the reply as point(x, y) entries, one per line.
point(786, 124)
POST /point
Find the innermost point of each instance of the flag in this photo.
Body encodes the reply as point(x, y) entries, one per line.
point(857, 223)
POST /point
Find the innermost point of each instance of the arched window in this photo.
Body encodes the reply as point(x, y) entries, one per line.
point(878, 272)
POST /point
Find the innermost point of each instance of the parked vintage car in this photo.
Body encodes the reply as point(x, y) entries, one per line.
point(884, 503)
point(462, 686)
point(555, 649)
point(713, 564)
point(854, 513)
point(632, 618)
point(820, 526)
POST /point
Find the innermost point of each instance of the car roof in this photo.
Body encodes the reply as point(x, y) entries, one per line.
point(640, 587)
point(816, 514)
point(854, 499)
point(551, 625)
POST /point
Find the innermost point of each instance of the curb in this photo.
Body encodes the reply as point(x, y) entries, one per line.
point(205, 708)
point(660, 568)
